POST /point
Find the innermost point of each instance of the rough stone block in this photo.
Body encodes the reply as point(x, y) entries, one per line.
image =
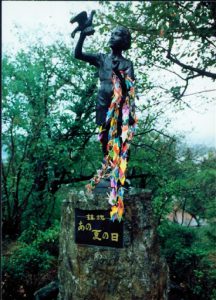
point(135, 272)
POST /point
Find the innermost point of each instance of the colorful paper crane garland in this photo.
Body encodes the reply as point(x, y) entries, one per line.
point(114, 164)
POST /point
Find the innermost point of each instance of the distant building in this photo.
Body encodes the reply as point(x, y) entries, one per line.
point(184, 218)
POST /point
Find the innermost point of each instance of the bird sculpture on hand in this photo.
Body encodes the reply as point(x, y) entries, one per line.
point(84, 21)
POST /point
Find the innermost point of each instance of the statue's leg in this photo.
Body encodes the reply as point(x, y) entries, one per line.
point(128, 155)
point(104, 139)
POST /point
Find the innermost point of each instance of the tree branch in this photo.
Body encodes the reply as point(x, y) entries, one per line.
point(200, 92)
point(163, 68)
point(193, 69)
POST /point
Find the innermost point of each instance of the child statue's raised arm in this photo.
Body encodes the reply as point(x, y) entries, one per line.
point(85, 28)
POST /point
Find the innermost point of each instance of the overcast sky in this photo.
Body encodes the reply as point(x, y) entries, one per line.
point(199, 126)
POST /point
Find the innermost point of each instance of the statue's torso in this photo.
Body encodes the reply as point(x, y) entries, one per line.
point(105, 92)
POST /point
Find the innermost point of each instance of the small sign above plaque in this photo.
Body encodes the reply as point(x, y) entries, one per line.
point(94, 227)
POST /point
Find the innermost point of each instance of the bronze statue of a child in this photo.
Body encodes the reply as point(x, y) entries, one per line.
point(115, 109)
point(120, 40)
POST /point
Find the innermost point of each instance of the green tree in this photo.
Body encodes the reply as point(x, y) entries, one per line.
point(48, 118)
point(175, 37)
point(49, 135)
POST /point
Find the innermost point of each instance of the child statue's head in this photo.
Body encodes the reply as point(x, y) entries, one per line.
point(120, 38)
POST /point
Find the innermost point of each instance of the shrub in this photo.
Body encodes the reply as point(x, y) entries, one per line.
point(191, 267)
point(30, 234)
point(31, 264)
point(48, 240)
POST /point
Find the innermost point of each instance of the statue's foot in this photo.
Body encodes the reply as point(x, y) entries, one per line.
point(127, 186)
point(102, 187)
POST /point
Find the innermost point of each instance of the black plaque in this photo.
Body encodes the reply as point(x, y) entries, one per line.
point(94, 227)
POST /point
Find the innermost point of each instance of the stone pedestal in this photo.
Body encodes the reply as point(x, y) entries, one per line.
point(135, 272)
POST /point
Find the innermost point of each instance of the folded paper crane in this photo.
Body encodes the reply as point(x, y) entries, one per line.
point(115, 163)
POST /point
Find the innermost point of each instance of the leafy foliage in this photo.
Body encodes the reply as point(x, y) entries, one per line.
point(26, 267)
point(192, 266)
point(45, 241)
point(50, 143)
point(173, 43)
point(48, 120)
